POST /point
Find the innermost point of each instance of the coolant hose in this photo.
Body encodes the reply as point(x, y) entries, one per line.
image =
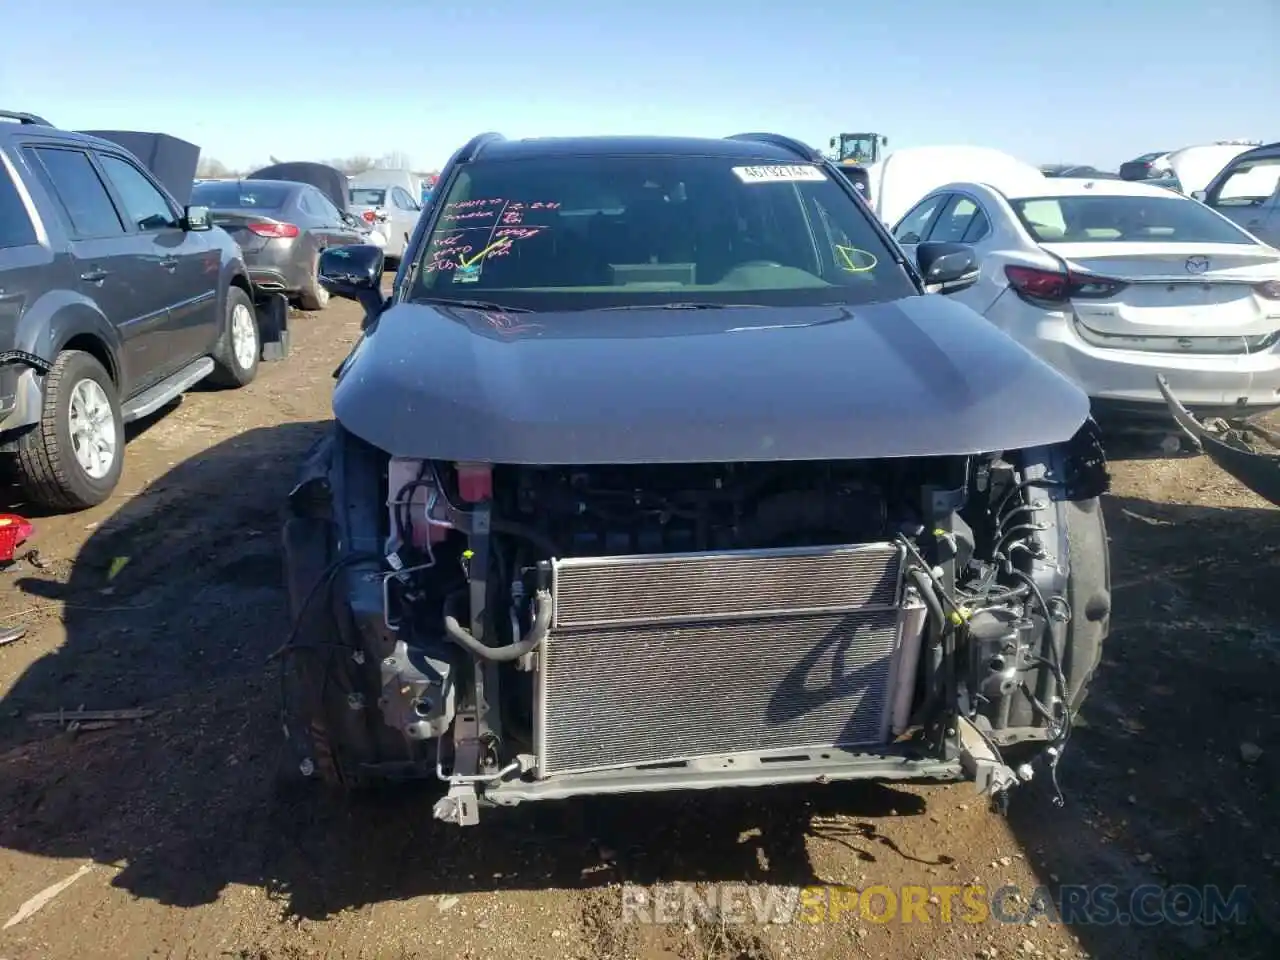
point(929, 594)
point(937, 626)
point(512, 651)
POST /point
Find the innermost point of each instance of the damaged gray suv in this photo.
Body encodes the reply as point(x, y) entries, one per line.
point(663, 468)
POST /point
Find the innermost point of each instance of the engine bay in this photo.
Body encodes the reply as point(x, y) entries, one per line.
point(551, 630)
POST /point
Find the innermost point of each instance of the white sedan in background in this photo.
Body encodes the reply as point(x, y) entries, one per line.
point(1113, 282)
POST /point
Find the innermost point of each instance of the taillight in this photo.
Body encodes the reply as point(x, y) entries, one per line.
point(1269, 289)
point(280, 231)
point(1051, 286)
point(369, 216)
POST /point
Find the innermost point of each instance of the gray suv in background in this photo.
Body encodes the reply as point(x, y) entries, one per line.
point(114, 299)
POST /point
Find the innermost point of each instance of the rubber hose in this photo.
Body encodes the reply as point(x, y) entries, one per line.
point(512, 651)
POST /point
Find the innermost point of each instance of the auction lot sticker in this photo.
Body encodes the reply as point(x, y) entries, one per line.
point(779, 173)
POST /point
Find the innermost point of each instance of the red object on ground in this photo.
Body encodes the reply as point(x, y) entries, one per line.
point(13, 531)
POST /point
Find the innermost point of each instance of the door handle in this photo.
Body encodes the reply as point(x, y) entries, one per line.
point(95, 276)
point(169, 263)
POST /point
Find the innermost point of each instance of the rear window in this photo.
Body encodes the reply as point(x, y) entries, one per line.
point(365, 196)
point(578, 233)
point(15, 226)
point(232, 194)
point(1101, 219)
point(1248, 185)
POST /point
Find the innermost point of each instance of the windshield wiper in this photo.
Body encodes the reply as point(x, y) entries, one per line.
point(681, 306)
point(470, 304)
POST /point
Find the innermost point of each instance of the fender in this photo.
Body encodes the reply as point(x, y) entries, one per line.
point(55, 318)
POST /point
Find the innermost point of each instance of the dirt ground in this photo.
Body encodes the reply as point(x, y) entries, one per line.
point(181, 846)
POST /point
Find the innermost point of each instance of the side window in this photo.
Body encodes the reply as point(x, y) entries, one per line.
point(915, 225)
point(143, 203)
point(85, 201)
point(979, 227)
point(954, 220)
point(1249, 184)
point(15, 226)
point(328, 212)
point(403, 200)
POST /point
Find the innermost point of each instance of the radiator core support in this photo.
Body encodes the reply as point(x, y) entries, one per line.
point(663, 659)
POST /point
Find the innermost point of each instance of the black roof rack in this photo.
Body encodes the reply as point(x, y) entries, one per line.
point(25, 118)
point(786, 143)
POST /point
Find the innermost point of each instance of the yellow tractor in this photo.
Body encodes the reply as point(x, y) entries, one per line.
point(854, 152)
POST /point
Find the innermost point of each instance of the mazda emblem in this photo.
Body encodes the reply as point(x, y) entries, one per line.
point(1197, 264)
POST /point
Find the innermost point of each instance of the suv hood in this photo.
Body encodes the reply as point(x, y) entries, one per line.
point(923, 376)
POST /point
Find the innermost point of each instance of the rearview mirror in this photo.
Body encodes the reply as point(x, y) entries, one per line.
point(196, 219)
point(354, 272)
point(947, 267)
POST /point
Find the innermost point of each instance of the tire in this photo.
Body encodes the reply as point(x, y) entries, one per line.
point(316, 297)
point(240, 346)
point(49, 470)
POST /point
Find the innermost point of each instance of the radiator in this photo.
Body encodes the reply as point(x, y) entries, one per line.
point(664, 658)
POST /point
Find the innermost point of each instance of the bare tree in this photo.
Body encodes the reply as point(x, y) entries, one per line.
point(396, 160)
point(211, 168)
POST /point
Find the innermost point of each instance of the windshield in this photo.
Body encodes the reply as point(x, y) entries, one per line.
point(1249, 184)
point(857, 146)
point(1120, 219)
point(230, 194)
point(576, 233)
point(367, 196)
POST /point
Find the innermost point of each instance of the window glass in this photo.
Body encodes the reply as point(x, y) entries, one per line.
point(309, 201)
point(15, 226)
point(913, 226)
point(954, 220)
point(1248, 185)
point(237, 194)
point(143, 203)
point(76, 184)
point(328, 213)
point(366, 196)
point(403, 200)
point(581, 232)
point(979, 227)
point(1120, 219)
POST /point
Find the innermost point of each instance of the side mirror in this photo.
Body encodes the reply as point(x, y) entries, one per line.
point(196, 219)
point(947, 267)
point(1198, 195)
point(354, 272)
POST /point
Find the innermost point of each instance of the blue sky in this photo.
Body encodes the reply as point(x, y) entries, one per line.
point(1089, 81)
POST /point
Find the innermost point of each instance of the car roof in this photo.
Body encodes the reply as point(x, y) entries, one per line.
point(614, 146)
point(1267, 151)
point(9, 128)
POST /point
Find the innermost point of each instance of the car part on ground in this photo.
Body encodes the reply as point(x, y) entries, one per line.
point(1247, 451)
point(1111, 282)
point(104, 333)
point(591, 526)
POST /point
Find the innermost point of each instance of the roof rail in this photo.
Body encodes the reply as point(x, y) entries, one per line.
point(25, 118)
point(472, 148)
point(786, 143)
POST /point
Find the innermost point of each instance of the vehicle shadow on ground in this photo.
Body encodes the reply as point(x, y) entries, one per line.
point(1162, 781)
point(185, 801)
point(11, 499)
